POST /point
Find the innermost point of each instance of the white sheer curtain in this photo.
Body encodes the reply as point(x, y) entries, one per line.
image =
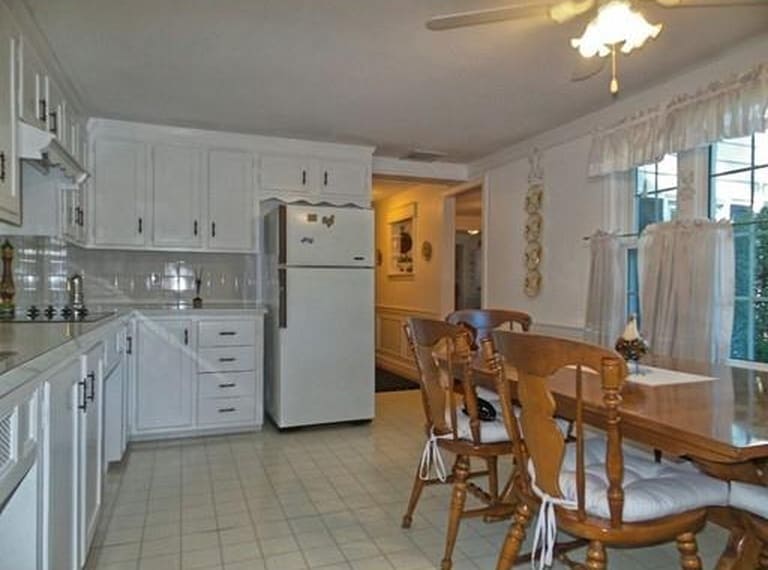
point(687, 288)
point(732, 108)
point(606, 297)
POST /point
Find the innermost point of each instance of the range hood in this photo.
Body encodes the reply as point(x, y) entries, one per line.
point(42, 148)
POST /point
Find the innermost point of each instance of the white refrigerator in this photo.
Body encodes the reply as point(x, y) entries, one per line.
point(320, 291)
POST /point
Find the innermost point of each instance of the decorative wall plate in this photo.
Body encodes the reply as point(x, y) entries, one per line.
point(533, 227)
point(532, 283)
point(534, 199)
point(532, 255)
point(426, 250)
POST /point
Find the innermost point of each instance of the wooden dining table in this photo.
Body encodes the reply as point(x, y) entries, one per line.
point(721, 425)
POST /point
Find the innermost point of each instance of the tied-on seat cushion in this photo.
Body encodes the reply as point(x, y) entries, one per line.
point(490, 432)
point(749, 498)
point(651, 490)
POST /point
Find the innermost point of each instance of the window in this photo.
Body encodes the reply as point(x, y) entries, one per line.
point(656, 192)
point(738, 186)
point(655, 200)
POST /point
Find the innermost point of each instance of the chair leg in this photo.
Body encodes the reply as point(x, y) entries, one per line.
point(493, 477)
point(515, 537)
point(689, 552)
point(418, 487)
point(762, 561)
point(596, 558)
point(459, 497)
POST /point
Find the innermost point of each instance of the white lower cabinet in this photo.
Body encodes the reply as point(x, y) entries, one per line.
point(196, 374)
point(72, 485)
point(90, 448)
point(165, 391)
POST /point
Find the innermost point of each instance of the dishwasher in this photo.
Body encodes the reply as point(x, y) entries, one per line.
point(19, 480)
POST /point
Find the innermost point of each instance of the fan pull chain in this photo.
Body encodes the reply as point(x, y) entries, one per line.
point(614, 81)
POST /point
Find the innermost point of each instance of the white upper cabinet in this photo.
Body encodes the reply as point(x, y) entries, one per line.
point(231, 195)
point(176, 196)
point(286, 173)
point(338, 181)
point(10, 196)
point(33, 108)
point(57, 112)
point(344, 178)
point(119, 182)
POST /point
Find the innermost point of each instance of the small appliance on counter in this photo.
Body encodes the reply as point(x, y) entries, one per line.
point(76, 295)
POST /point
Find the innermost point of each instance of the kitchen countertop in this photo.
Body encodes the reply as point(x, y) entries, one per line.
point(29, 350)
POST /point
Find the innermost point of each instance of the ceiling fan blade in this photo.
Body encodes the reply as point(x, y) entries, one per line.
point(587, 68)
point(489, 16)
point(569, 9)
point(710, 3)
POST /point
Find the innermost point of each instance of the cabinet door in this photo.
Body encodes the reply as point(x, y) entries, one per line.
point(33, 101)
point(90, 450)
point(230, 200)
point(119, 192)
point(10, 196)
point(345, 178)
point(282, 173)
point(165, 375)
point(57, 113)
point(66, 397)
point(176, 199)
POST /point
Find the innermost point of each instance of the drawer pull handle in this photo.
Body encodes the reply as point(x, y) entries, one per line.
point(227, 333)
point(227, 359)
point(226, 410)
point(228, 385)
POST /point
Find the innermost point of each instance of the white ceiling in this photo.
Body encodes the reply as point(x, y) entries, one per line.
point(354, 70)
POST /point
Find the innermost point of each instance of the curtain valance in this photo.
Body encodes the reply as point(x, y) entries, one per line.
point(725, 109)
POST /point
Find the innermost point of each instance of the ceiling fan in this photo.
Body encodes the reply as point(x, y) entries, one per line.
point(614, 25)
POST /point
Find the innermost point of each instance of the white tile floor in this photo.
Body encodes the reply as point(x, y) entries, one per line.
point(328, 497)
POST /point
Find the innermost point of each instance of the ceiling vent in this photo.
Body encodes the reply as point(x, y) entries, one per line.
point(423, 155)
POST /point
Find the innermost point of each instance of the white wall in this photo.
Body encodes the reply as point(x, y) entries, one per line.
point(574, 206)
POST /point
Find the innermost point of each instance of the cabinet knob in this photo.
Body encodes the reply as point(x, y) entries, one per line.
point(54, 127)
point(2, 167)
point(92, 378)
point(84, 406)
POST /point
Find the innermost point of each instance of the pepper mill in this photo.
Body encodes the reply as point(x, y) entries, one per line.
point(7, 288)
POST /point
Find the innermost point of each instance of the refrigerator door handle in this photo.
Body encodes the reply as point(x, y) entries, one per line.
point(281, 237)
point(282, 303)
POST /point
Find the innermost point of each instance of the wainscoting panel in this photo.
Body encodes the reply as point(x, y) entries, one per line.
point(392, 352)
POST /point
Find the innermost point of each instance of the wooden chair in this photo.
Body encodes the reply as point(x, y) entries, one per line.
point(594, 489)
point(449, 428)
point(482, 322)
point(752, 500)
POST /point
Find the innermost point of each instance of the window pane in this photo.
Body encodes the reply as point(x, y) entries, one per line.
point(653, 208)
point(740, 337)
point(732, 195)
point(761, 189)
point(761, 331)
point(743, 259)
point(646, 181)
point(761, 256)
point(731, 155)
point(667, 170)
point(761, 149)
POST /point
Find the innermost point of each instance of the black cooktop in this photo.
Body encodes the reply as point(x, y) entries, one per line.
point(52, 314)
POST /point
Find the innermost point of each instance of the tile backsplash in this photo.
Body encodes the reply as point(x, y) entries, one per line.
point(42, 265)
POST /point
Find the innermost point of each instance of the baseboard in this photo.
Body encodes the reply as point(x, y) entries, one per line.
point(398, 366)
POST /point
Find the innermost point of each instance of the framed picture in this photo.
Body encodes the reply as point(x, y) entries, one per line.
point(402, 240)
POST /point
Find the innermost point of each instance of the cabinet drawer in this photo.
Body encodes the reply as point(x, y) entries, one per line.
point(212, 411)
point(227, 384)
point(226, 359)
point(226, 333)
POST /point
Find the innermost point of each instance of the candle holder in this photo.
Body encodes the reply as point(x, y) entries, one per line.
point(631, 345)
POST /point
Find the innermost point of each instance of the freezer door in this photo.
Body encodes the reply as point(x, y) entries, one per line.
point(324, 236)
point(327, 347)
